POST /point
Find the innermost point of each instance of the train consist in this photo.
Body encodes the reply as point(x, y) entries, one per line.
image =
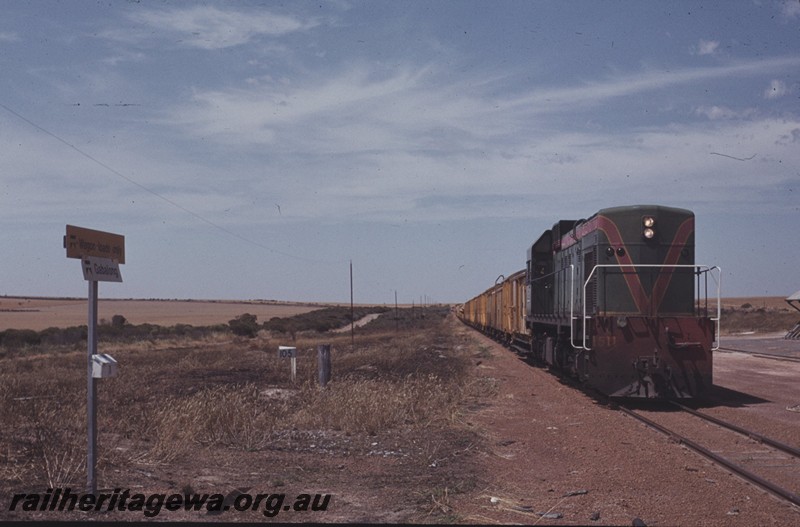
point(615, 300)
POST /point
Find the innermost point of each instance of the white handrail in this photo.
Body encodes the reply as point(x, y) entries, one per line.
point(717, 320)
point(699, 269)
point(572, 305)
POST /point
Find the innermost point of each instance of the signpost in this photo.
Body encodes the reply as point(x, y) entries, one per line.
point(100, 253)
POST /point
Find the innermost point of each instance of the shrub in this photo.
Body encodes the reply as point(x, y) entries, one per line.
point(19, 337)
point(71, 336)
point(244, 325)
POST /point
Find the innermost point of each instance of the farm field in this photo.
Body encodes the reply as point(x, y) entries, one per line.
point(41, 313)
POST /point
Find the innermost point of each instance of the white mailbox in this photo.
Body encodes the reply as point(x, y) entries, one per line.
point(103, 366)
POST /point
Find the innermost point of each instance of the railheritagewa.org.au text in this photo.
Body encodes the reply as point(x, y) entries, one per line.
point(151, 505)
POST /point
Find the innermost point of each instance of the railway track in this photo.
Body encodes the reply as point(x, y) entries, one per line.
point(762, 355)
point(788, 456)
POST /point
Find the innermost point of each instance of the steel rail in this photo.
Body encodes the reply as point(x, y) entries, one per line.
point(520, 349)
point(762, 355)
point(752, 435)
point(730, 465)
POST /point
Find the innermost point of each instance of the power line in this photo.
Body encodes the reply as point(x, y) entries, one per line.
point(154, 193)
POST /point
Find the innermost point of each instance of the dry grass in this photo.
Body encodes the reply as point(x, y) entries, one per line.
point(764, 302)
point(758, 320)
point(757, 315)
point(371, 406)
point(171, 398)
point(42, 435)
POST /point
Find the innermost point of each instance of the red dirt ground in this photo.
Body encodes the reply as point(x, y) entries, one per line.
point(552, 449)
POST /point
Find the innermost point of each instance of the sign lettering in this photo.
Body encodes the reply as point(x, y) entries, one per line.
point(80, 243)
point(101, 269)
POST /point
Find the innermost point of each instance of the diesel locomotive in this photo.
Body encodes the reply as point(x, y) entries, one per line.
point(615, 300)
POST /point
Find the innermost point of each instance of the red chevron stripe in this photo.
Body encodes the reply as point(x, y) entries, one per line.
point(665, 276)
point(635, 287)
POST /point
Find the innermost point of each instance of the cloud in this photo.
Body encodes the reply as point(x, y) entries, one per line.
point(790, 9)
point(776, 89)
point(413, 143)
point(356, 110)
point(593, 93)
point(407, 108)
point(207, 27)
point(123, 57)
point(394, 185)
point(707, 47)
point(792, 137)
point(723, 112)
point(8, 36)
point(403, 143)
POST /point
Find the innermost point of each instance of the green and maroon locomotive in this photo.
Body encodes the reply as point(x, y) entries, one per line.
point(618, 301)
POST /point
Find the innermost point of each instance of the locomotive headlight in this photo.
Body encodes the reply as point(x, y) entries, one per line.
point(648, 222)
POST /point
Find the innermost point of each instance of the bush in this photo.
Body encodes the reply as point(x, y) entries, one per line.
point(19, 337)
point(244, 325)
point(71, 336)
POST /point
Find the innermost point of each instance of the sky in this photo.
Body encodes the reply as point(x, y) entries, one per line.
point(252, 150)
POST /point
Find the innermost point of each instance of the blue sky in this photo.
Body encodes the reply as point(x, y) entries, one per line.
point(252, 149)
